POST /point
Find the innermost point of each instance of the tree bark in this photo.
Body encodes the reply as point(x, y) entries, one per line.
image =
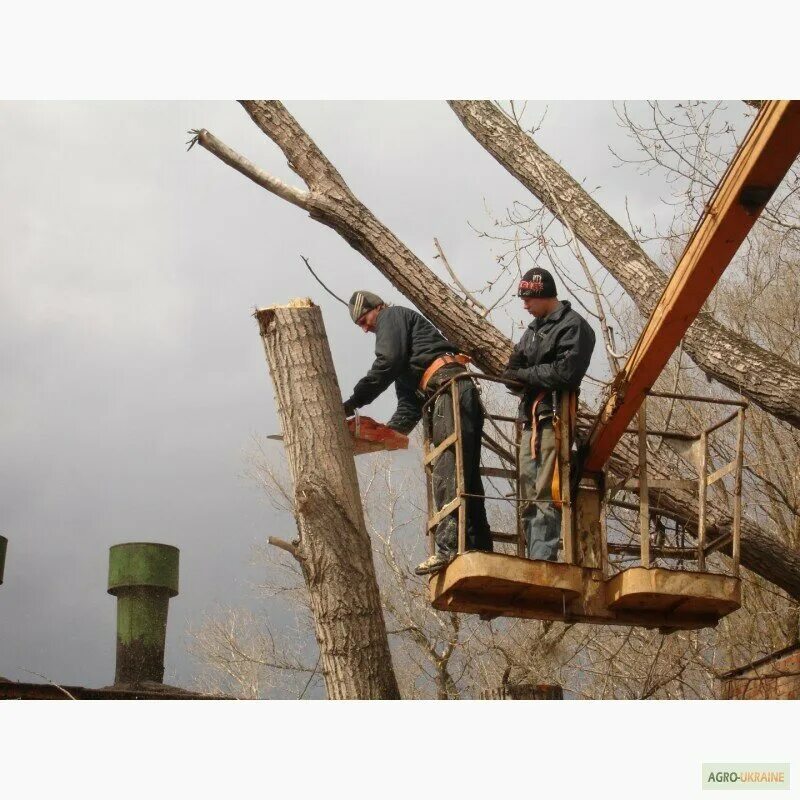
point(331, 202)
point(334, 549)
point(768, 380)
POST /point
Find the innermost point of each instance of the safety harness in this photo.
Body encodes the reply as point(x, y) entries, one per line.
point(438, 363)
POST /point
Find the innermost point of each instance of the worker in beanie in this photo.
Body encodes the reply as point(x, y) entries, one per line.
point(413, 354)
point(551, 357)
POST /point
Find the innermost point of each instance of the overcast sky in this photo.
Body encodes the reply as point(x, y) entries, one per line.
point(133, 376)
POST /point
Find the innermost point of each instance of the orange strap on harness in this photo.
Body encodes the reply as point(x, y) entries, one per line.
point(534, 426)
point(572, 412)
point(438, 363)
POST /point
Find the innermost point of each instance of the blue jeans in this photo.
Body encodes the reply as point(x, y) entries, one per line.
point(540, 518)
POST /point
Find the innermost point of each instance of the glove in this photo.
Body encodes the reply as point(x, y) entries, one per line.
point(349, 408)
point(516, 361)
point(514, 375)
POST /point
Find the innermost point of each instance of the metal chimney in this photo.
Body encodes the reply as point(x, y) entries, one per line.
point(143, 576)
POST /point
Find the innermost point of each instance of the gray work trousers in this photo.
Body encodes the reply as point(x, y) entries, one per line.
point(540, 518)
point(439, 425)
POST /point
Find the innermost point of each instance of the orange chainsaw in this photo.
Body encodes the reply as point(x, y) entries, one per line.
point(369, 436)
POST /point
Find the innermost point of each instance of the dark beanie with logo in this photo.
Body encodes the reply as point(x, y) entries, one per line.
point(537, 282)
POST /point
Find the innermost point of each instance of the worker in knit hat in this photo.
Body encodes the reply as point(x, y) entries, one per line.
point(549, 360)
point(411, 353)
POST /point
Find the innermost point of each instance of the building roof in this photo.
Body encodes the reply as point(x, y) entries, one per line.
point(761, 661)
point(12, 690)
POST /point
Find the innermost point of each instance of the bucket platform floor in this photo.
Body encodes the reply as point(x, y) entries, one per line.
point(673, 591)
point(481, 583)
point(494, 585)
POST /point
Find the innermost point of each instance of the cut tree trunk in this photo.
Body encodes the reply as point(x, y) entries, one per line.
point(735, 361)
point(330, 201)
point(334, 549)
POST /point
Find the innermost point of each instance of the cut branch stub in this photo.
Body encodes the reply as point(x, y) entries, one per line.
point(334, 548)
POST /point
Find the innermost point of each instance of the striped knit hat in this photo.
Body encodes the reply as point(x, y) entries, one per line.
point(361, 302)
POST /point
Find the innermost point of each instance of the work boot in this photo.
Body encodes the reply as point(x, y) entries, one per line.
point(433, 564)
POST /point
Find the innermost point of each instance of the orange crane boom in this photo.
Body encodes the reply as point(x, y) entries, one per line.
point(764, 158)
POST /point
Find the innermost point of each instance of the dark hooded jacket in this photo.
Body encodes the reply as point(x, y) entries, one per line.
point(405, 345)
point(553, 354)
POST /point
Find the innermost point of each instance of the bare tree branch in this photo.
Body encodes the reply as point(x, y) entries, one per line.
point(284, 545)
point(210, 142)
point(467, 294)
point(319, 281)
point(52, 683)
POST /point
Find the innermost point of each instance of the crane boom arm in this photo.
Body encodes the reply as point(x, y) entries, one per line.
point(764, 158)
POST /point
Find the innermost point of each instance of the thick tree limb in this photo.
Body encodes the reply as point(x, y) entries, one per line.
point(333, 204)
point(304, 157)
point(768, 380)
